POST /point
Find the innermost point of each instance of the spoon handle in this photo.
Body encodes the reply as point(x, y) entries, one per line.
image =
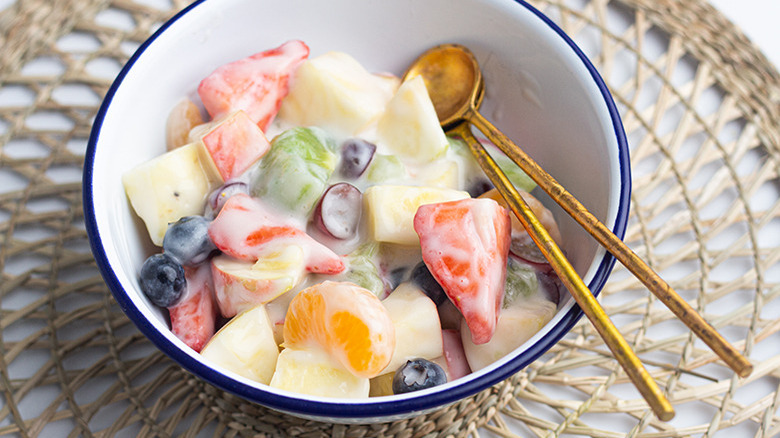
point(582, 295)
point(698, 325)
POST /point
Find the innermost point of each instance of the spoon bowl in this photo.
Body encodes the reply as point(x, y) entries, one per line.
point(454, 80)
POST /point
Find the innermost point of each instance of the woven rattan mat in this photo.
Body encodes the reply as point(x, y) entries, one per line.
point(701, 107)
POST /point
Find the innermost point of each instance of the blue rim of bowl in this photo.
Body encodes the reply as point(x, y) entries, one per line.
point(345, 410)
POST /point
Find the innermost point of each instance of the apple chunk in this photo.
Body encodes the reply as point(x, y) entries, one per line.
point(410, 127)
point(235, 143)
point(171, 186)
point(335, 92)
point(240, 284)
point(245, 346)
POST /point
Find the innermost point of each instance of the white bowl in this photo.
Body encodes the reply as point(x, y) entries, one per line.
point(541, 91)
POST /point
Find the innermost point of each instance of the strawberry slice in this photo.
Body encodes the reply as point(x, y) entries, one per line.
point(193, 318)
point(256, 84)
point(465, 245)
point(247, 229)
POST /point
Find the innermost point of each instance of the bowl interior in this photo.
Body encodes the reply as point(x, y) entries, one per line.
point(539, 91)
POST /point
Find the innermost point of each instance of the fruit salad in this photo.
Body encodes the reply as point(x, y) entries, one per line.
point(320, 233)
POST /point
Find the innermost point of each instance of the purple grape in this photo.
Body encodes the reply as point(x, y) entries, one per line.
point(339, 209)
point(356, 154)
point(218, 197)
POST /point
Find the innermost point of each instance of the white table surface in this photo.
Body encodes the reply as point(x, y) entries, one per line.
point(758, 19)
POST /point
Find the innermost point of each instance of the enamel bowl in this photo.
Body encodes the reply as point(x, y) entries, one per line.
point(541, 91)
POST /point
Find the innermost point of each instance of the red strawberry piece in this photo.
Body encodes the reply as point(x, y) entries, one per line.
point(465, 245)
point(235, 144)
point(246, 229)
point(256, 84)
point(193, 318)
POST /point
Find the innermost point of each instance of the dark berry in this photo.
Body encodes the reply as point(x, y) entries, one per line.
point(356, 154)
point(187, 240)
point(479, 187)
point(418, 374)
point(396, 277)
point(218, 197)
point(423, 278)
point(162, 280)
point(551, 285)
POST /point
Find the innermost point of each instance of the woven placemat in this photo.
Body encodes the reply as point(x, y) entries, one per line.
point(701, 107)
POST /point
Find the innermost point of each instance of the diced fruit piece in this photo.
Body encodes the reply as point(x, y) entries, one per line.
point(386, 168)
point(441, 173)
point(449, 315)
point(218, 197)
point(422, 277)
point(455, 358)
point(256, 84)
point(193, 319)
point(315, 372)
point(295, 172)
point(182, 118)
point(339, 210)
point(381, 385)
point(465, 244)
point(391, 210)
point(240, 285)
point(550, 285)
point(416, 325)
point(347, 321)
point(171, 186)
point(235, 144)
point(418, 374)
point(521, 282)
point(335, 92)
point(522, 245)
point(356, 155)
point(187, 240)
point(516, 325)
point(245, 346)
point(410, 126)
point(162, 280)
point(247, 229)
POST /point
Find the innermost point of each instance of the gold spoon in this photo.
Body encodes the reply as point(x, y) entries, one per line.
point(454, 82)
point(455, 85)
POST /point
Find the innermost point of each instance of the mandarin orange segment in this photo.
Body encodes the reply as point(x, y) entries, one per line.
point(347, 321)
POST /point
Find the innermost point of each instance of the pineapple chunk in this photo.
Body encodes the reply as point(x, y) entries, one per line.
point(335, 92)
point(410, 127)
point(171, 186)
point(314, 372)
point(391, 210)
point(245, 346)
point(417, 327)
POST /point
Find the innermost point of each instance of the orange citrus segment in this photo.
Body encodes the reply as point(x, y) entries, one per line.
point(346, 320)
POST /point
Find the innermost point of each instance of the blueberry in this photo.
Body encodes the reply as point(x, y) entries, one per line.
point(187, 240)
point(418, 374)
point(423, 278)
point(162, 280)
point(356, 154)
